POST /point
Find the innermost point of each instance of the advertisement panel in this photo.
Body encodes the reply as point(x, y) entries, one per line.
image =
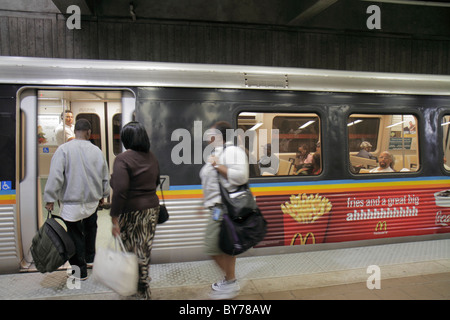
point(360, 214)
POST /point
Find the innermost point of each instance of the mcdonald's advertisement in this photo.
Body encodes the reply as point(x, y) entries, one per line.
point(305, 219)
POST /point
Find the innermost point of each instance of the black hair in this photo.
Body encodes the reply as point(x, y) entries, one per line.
point(134, 137)
point(82, 125)
point(64, 113)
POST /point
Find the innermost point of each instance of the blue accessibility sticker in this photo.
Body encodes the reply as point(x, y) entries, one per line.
point(5, 185)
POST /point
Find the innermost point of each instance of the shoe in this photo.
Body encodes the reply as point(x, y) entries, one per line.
point(225, 285)
point(82, 278)
point(89, 265)
point(223, 295)
point(224, 289)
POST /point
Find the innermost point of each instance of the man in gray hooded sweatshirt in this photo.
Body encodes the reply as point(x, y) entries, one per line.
point(79, 179)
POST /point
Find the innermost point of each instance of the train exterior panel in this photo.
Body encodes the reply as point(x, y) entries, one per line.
point(178, 103)
point(357, 207)
point(359, 210)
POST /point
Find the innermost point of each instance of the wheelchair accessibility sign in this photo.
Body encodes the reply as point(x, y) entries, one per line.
point(5, 185)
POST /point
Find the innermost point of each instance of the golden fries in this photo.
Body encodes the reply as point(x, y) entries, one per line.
point(306, 209)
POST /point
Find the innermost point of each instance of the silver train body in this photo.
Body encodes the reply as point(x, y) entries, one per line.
point(166, 97)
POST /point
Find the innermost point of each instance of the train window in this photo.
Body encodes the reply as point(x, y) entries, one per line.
point(446, 141)
point(117, 125)
point(383, 143)
point(281, 144)
point(367, 131)
point(94, 119)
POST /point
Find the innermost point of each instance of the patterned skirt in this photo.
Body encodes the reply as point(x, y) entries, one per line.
point(137, 229)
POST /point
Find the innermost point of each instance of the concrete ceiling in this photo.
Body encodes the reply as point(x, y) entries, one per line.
point(412, 17)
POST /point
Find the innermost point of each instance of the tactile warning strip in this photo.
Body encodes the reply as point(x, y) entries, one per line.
point(36, 285)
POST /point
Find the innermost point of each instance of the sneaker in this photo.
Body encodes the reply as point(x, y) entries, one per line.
point(226, 286)
point(223, 295)
point(216, 285)
point(82, 278)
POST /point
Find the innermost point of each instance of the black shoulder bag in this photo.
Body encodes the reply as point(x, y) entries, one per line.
point(243, 226)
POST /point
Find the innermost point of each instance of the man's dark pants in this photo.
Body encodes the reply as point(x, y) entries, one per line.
point(83, 234)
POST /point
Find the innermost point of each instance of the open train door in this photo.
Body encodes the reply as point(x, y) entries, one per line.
point(42, 110)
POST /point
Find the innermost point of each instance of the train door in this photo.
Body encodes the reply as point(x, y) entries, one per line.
point(47, 111)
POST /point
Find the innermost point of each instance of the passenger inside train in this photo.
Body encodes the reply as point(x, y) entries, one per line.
point(297, 135)
point(375, 140)
point(292, 138)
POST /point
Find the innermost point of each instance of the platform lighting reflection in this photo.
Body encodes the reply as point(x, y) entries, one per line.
point(396, 124)
point(354, 122)
point(307, 124)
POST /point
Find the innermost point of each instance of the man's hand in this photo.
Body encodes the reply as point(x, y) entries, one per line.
point(49, 206)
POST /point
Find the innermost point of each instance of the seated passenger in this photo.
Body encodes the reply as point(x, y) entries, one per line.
point(302, 157)
point(386, 163)
point(316, 164)
point(312, 168)
point(365, 147)
point(269, 163)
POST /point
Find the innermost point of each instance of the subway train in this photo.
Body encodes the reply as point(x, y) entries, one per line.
point(316, 141)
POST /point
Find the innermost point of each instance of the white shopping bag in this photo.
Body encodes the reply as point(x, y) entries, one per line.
point(116, 268)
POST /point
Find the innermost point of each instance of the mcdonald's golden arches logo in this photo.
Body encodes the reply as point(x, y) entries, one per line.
point(379, 226)
point(303, 240)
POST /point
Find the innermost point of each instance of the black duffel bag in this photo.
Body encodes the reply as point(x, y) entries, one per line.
point(239, 203)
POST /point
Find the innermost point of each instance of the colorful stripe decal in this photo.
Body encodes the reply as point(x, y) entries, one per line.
point(8, 197)
point(327, 186)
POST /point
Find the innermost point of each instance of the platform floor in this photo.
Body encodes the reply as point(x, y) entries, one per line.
point(412, 270)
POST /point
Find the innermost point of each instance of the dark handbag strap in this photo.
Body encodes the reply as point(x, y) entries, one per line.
point(161, 187)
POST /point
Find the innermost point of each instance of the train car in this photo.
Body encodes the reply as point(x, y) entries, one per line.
point(337, 158)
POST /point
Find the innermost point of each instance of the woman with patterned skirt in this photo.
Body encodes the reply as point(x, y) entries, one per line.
point(134, 204)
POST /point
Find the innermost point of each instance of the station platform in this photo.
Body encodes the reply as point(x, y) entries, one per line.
point(407, 271)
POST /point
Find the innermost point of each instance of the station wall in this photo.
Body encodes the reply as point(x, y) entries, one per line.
point(46, 35)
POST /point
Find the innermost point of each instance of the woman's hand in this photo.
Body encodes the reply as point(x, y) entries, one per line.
point(115, 226)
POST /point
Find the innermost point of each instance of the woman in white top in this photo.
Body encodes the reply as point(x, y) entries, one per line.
point(229, 164)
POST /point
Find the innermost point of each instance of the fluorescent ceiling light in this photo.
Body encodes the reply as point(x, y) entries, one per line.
point(256, 126)
point(395, 124)
point(354, 122)
point(307, 124)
